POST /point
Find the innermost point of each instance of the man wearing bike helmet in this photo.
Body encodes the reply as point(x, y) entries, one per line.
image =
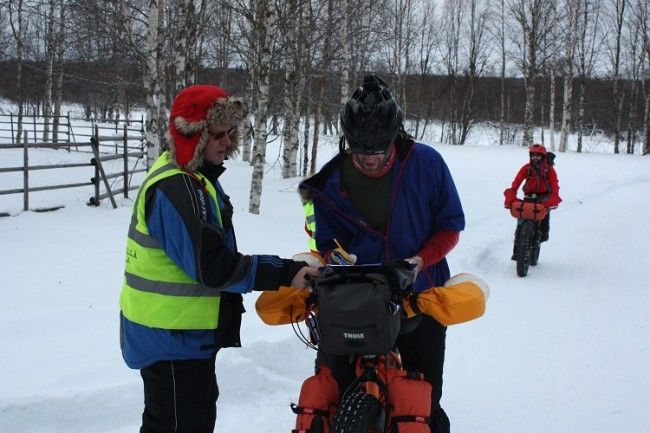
point(540, 178)
point(384, 198)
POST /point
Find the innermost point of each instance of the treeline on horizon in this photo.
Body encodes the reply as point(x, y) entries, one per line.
point(93, 86)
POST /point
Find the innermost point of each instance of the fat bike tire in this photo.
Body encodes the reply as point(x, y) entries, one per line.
point(534, 254)
point(359, 413)
point(524, 248)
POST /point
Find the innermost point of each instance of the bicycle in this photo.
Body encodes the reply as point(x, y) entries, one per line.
point(528, 236)
point(359, 310)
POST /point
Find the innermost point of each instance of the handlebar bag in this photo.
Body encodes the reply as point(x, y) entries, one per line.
point(355, 312)
point(528, 210)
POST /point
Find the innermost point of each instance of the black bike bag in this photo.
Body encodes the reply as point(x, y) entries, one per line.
point(356, 314)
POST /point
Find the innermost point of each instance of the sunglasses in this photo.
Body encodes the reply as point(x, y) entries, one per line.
point(221, 135)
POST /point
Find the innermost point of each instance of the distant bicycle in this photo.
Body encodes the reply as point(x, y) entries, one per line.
point(528, 236)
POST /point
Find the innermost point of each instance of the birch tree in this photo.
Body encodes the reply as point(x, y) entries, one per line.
point(571, 13)
point(429, 41)
point(553, 97)
point(643, 10)
point(58, 87)
point(452, 13)
point(616, 32)
point(237, 30)
point(148, 53)
point(295, 40)
point(476, 62)
point(268, 26)
point(502, 41)
point(324, 68)
point(50, 51)
point(344, 48)
point(185, 59)
point(535, 18)
point(588, 46)
point(400, 25)
point(634, 60)
point(18, 30)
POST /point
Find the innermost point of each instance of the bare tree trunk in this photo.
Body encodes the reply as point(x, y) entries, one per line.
point(305, 142)
point(185, 48)
point(646, 120)
point(631, 120)
point(345, 52)
point(566, 110)
point(571, 13)
point(248, 127)
point(58, 89)
point(528, 115)
point(294, 87)
point(645, 69)
point(581, 112)
point(267, 25)
point(617, 94)
point(154, 88)
point(636, 59)
point(586, 46)
point(536, 19)
point(327, 58)
point(502, 37)
point(18, 32)
point(551, 114)
point(475, 65)
point(452, 31)
point(50, 50)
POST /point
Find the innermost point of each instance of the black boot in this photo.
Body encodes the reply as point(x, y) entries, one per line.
point(440, 422)
point(545, 227)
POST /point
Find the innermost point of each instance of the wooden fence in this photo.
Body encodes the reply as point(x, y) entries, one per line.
point(70, 128)
point(122, 144)
point(33, 125)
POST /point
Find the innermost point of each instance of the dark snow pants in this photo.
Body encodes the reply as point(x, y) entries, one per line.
point(180, 396)
point(422, 350)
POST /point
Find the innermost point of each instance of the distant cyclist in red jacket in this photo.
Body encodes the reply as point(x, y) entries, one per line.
point(539, 178)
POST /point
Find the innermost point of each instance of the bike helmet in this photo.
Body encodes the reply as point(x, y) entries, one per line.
point(371, 118)
point(537, 148)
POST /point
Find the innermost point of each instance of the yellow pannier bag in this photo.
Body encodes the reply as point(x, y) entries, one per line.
point(461, 299)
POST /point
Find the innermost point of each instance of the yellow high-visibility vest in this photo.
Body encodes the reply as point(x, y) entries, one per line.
point(156, 291)
point(310, 224)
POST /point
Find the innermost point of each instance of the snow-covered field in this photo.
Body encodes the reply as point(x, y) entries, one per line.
point(565, 349)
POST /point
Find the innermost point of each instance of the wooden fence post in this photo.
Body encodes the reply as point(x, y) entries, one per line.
point(95, 143)
point(11, 119)
point(98, 164)
point(126, 163)
point(25, 174)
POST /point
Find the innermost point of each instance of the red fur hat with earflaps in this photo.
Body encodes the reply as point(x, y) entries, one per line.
point(193, 111)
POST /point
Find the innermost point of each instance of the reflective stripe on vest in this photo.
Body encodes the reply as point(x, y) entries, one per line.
point(310, 223)
point(156, 291)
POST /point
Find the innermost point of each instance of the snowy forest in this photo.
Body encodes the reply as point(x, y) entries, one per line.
point(572, 66)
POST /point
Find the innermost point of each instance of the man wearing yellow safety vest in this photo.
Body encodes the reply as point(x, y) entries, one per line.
point(181, 300)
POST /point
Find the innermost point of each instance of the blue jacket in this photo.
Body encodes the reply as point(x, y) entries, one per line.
point(423, 200)
point(184, 220)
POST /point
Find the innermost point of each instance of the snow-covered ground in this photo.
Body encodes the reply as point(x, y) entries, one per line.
point(566, 349)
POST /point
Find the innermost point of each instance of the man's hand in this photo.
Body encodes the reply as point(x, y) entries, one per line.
point(418, 262)
point(510, 197)
point(304, 276)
